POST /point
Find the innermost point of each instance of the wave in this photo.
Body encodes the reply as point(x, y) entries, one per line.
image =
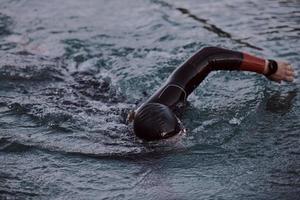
point(30, 67)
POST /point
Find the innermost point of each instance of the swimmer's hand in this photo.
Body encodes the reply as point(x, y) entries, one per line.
point(285, 72)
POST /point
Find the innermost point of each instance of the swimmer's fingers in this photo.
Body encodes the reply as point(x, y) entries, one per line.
point(289, 78)
point(290, 73)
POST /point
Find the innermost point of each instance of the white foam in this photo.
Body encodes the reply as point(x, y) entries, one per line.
point(235, 121)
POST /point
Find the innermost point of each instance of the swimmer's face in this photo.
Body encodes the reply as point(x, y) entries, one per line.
point(155, 121)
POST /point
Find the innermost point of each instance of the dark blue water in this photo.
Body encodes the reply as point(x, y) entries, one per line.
point(71, 70)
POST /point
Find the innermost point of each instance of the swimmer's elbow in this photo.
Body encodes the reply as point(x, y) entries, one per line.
point(210, 49)
point(222, 59)
point(210, 53)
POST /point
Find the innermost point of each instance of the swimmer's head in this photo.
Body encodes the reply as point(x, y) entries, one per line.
point(154, 121)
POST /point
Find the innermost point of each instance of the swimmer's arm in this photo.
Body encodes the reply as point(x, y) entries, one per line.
point(191, 73)
point(223, 59)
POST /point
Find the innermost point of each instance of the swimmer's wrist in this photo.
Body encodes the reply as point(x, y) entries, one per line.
point(272, 67)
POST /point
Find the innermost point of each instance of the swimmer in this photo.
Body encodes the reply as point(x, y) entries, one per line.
point(158, 117)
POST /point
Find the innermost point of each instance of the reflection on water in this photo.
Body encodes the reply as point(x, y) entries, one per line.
point(279, 103)
point(71, 72)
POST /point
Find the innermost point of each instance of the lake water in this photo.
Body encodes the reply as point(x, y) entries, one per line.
point(71, 70)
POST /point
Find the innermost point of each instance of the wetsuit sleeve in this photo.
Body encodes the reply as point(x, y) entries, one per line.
point(191, 73)
point(253, 64)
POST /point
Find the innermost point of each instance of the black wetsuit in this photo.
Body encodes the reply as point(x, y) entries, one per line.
point(190, 74)
point(157, 118)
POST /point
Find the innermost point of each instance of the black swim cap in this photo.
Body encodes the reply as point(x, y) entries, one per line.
point(154, 121)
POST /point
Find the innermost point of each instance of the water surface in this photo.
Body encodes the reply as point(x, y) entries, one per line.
point(71, 71)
